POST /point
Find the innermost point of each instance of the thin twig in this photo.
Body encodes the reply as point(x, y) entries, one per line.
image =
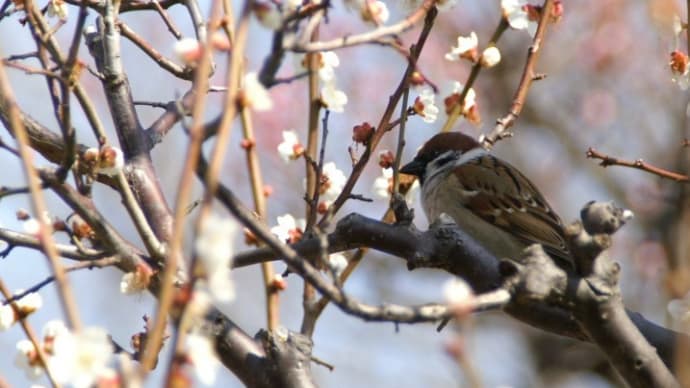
point(500, 131)
point(368, 37)
point(38, 204)
point(14, 238)
point(153, 245)
point(165, 296)
point(166, 19)
point(257, 185)
point(165, 63)
point(474, 73)
point(384, 123)
point(98, 263)
point(637, 164)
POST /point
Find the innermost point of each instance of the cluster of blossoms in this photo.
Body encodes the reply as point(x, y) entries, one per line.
point(466, 48)
point(325, 64)
point(80, 359)
point(332, 179)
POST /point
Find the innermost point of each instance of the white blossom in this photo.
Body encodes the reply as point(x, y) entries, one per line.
point(375, 11)
point(203, 357)
point(214, 247)
point(57, 8)
point(328, 61)
point(288, 226)
point(255, 94)
point(7, 317)
point(29, 302)
point(465, 44)
point(333, 98)
point(470, 98)
point(53, 329)
point(268, 15)
point(456, 291)
point(427, 103)
point(337, 262)
point(382, 184)
point(336, 182)
point(290, 148)
point(491, 56)
point(187, 50)
point(81, 359)
point(516, 14)
point(31, 226)
point(27, 359)
point(26, 305)
point(134, 282)
point(111, 161)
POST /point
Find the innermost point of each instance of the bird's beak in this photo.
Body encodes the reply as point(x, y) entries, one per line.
point(415, 167)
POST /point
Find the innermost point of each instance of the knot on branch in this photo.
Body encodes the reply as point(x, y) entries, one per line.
point(403, 214)
point(534, 277)
point(603, 217)
point(591, 236)
point(291, 356)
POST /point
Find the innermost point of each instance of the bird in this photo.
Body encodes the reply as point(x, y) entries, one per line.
point(489, 199)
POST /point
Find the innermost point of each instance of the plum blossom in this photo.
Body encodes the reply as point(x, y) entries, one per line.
point(425, 105)
point(187, 50)
point(452, 98)
point(58, 8)
point(383, 183)
point(466, 48)
point(456, 291)
point(333, 98)
point(374, 11)
point(111, 161)
point(136, 281)
point(491, 56)
point(337, 262)
point(26, 305)
point(203, 357)
point(515, 12)
point(332, 183)
point(255, 94)
point(290, 148)
point(214, 247)
point(328, 61)
point(27, 359)
point(289, 229)
point(80, 359)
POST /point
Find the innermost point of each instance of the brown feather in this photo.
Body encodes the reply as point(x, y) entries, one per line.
point(499, 203)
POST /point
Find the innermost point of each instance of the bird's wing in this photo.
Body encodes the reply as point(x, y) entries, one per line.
point(501, 195)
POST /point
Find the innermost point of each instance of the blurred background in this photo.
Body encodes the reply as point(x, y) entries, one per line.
point(608, 86)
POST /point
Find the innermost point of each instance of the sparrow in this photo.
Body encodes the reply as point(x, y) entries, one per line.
point(489, 199)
